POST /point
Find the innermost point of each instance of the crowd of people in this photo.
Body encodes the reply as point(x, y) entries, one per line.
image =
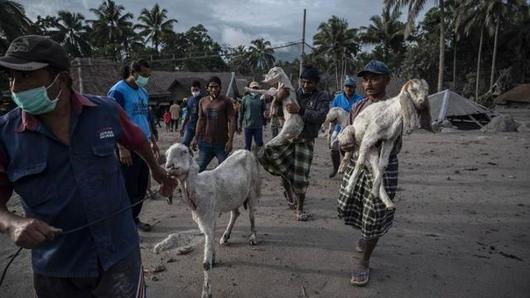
point(75, 159)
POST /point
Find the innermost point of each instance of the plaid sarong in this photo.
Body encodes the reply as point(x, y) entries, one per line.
point(291, 161)
point(359, 209)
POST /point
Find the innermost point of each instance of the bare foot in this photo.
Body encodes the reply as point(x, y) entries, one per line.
point(361, 245)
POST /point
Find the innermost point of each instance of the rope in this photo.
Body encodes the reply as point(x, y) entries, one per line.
point(12, 258)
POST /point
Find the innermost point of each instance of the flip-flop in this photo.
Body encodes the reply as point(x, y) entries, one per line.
point(303, 216)
point(363, 275)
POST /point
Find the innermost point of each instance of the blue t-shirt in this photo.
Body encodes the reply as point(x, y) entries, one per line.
point(342, 101)
point(135, 104)
point(192, 108)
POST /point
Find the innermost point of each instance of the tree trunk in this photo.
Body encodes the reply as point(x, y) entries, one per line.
point(454, 63)
point(337, 71)
point(495, 45)
point(442, 48)
point(477, 83)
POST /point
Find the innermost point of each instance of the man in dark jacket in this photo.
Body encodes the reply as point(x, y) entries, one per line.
point(292, 162)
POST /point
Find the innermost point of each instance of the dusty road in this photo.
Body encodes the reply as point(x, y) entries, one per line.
point(462, 229)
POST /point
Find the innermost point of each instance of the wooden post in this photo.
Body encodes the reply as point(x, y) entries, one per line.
point(302, 51)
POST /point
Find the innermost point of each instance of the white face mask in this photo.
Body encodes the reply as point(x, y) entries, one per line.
point(195, 93)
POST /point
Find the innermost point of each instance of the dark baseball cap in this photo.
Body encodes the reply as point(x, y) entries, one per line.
point(32, 52)
point(376, 67)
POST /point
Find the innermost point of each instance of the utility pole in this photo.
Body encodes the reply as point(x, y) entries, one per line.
point(302, 52)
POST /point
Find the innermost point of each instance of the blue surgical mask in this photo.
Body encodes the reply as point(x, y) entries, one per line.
point(142, 81)
point(36, 101)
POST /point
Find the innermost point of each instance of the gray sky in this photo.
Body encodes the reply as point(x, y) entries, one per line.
point(233, 22)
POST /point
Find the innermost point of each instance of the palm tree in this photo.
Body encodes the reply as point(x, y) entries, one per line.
point(385, 30)
point(260, 55)
point(487, 16)
point(111, 26)
point(13, 22)
point(153, 25)
point(338, 42)
point(72, 33)
point(414, 8)
point(454, 10)
point(239, 58)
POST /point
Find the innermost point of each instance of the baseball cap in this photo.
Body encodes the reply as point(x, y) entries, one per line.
point(32, 52)
point(349, 81)
point(254, 84)
point(376, 67)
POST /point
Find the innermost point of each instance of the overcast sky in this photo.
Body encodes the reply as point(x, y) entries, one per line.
point(234, 22)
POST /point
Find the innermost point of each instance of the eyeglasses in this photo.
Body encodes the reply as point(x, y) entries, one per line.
point(254, 88)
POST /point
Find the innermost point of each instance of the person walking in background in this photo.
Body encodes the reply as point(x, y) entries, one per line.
point(251, 117)
point(131, 95)
point(191, 113)
point(167, 120)
point(174, 109)
point(344, 100)
point(215, 126)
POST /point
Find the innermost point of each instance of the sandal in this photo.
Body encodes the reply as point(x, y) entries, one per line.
point(303, 216)
point(360, 278)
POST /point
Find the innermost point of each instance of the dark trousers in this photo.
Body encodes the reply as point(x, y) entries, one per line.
point(174, 124)
point(208, 151)
point(257, 133)
point(123, 279)
point(136, 179)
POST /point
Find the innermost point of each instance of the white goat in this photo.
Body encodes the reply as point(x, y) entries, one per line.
point(336, 116)
point(285, 93)
point(379, 125)
point(235, 182)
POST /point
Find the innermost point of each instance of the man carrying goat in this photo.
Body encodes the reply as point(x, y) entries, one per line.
point(292, 161)
point(357, 208)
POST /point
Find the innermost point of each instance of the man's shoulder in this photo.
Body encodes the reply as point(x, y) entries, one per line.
point(102, 102)
point(120, 85)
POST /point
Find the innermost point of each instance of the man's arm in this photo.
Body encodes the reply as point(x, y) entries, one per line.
point(118, 97)
point(318, 115)
point(133, 139)
point(201, 122)
point(231, 125)
point(25, 232)
point(241, 114)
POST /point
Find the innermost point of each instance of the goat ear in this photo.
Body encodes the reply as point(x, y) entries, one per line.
point(425, 117)
point(407, 112)
point(406, 86)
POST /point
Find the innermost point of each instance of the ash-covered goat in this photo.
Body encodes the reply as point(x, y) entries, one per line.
point(234, 183)
point(376, 129)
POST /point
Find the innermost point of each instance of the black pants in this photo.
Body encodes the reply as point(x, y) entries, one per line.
point(136, 179)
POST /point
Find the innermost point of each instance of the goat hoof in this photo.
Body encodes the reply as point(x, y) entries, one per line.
point(252, 240)
point(224, 241)
point(207, 266)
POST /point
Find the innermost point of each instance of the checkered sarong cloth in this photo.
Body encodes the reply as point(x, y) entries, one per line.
point(291, 161)
point(359, 209)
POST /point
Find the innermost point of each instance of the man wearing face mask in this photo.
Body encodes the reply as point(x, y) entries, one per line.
point(292, 162)
point(131, 95)
point(191, 116)
point(57, 153)
point(251, 117)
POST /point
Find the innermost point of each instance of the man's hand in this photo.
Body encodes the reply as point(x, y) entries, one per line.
point(167, 184)
point(228, 147)
point(125, 156)
point(292, 108)
point(194, 145)
point(30, 232)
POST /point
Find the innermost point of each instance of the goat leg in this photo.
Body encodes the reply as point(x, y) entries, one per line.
point(226, 235)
